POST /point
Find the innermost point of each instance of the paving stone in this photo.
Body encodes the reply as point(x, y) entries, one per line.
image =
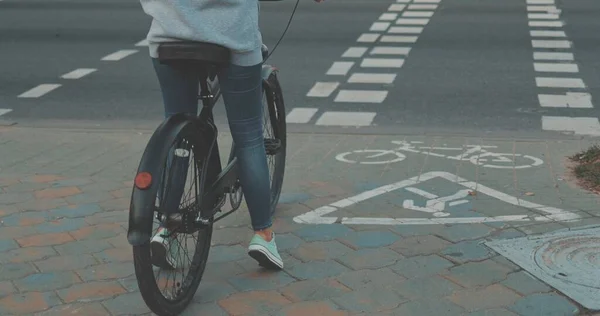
point(226, 253)
point(478, 273)
point(60, 226)
point(462, 232)
point(90, 197)
point(6, 288)
point(41, 204)
point(260, 280)
point(371, 279)
point(421, 266)
point(222, 270)
point(547, 304)
point(126, 304)
point(369, 300)
point(507, 263)
point(70, 182)
point(492, 312)
point(13, 271)
point(65, 263)
point(7, 244)
point(21, 187)
point(121, 254)
point(118, 216)
point(91, 291)
point(74, 211)
point(426, 287)
point(287, 241)
point(50, 239)
point(42, 178)
point(253, 303)
point(370, 258)
point(47, 281)
point(56, 192)
point(316, 270)
point(466, 251)
point(211, 291)
point(493, 296)
point(428, 307)
point(11, 198)
point(99, 231)
point(321, 308)
point(419, 245)
point(87, 309)
point(369, 239)
point(320, 250)
point(506, 234)
point(417, 230)
point(322, 232)
point(293, 198)
point(232, 236)
point(83, 247)
point(31, 302)
point(313, 290)
point(541, 228)
point(25, 218)
point(211, 309)
point(131, 284)
point(106, 271)
point(525, 283)
point(27, 254)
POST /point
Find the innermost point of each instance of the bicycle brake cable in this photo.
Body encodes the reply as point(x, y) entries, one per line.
point(284, 31)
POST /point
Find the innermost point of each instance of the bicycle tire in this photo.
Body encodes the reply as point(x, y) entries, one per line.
point(276, 113)
point(147, 281)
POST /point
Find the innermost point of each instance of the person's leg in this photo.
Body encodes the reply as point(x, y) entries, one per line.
point(242, 94)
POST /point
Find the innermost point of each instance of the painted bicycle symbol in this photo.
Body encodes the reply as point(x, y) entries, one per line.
point(475, 154)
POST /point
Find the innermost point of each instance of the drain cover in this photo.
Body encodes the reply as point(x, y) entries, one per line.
point(566, 260)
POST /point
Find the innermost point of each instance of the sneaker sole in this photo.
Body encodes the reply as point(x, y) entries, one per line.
point(264, 258)
point(159, 256)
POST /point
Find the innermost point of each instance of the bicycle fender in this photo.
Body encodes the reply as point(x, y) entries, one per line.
point(142, 204)
point(267, 70)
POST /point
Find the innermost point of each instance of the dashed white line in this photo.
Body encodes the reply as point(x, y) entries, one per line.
point(579, 100)
point(355, 52)
point(550, 44)
point(535, 33)
point(576, 125)
point(396, 7)
point(78, 73)
point(379, 26)
point(405, 30)
point(549, 82)
point(553, 56)
point(540, 1)
point(427, 1)
point(546, 24)
point(388, 16)
point(331, 118)
point(542, 8)
point(367, 38)
point(340, 68)
point(408, 21)
point(361, 96)
point(422, 6)
point(301, 115)
point(543, 16)
point(4, 111)
point(398, 39)
point(118, 55)
point(555, 67)
point(383, 50)
point(39, 90)
point(382, 63)
point(418, 14)
point(322, 89)
point(372, 78)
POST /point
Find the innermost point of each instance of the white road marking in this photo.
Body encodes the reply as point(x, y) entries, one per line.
point(555, 67)
point(422, 6)
point(4, 111)
point(382, 63)
point(553, 56)
point(398, 39)
point(577, 125)
point(543, 16)
point(361, 96)
point(301, 115)
point(408, 21)
point(418, 14)
point(546, 24)
point(559, 82)
point(388, 16)
point(116, 56)
point(331, 118)
point(340, 68)
point(39, 90)
point(547, 34)
point(550, 44)
point(383, 50)
point(372, 78)
point(355, 52)
point(540, 1)
point(427, 1)
point(542, 8)
point(143, 42)
point(397, 7)
point(403, 1)
point(405, 30)
point(368, 38)
point(322, 89)
point(579, 100)
point(78, 73)
point(379, 26)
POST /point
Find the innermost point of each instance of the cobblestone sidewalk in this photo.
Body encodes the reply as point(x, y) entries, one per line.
point(63, 250)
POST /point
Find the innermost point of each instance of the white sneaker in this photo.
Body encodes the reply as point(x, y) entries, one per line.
point(161, 248)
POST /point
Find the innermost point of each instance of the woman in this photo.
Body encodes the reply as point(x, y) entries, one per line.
point(233, 24)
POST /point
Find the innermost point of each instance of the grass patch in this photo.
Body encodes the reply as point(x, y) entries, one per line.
point(587, 168)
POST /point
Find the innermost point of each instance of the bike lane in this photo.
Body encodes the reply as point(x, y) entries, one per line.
point(379, 238)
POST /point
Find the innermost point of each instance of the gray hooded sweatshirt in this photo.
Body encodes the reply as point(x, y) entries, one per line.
point(230, 23)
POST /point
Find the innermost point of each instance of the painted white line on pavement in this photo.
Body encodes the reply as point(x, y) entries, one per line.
point(383, 50)
point(555, 67)
point(418, 14)
point(408, 21)
point(543, 16)
point(405, 30)
point(553, 56)
point(547, 82)
point(116, 56)
point(550, 44)
point(78, 73)
point(4, 111)
point(382, 62)
point(361, 96)
point(379, 26)
point(388, 16)
point(396, 7)
point(340, 68)
point(546, 24)
point(398, 39)
point(372, 78)
point(542, 8)
point(580, 100)
point(422, 6)
point(403, 1)
point(143, 42)
point(301, 115)
point(540, 1)
point(322, 89)
point(39, 90)
point(355, 52)
point(427, 1)
point(577, 125)
point(547, 34)
point(368, 38)
point(331, 118)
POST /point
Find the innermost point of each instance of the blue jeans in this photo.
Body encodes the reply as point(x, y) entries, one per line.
point(242, 94)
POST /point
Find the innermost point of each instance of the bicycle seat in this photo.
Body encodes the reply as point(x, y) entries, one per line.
point(194, 51)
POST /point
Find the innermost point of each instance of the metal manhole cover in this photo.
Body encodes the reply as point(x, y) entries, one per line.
point(569, 261)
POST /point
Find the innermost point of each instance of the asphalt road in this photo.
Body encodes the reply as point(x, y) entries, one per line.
point(471, 69)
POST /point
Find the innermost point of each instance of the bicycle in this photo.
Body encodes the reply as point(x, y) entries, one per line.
point(195, 135)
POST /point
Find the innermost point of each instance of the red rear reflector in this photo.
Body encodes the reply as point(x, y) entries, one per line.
point(143, 180)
